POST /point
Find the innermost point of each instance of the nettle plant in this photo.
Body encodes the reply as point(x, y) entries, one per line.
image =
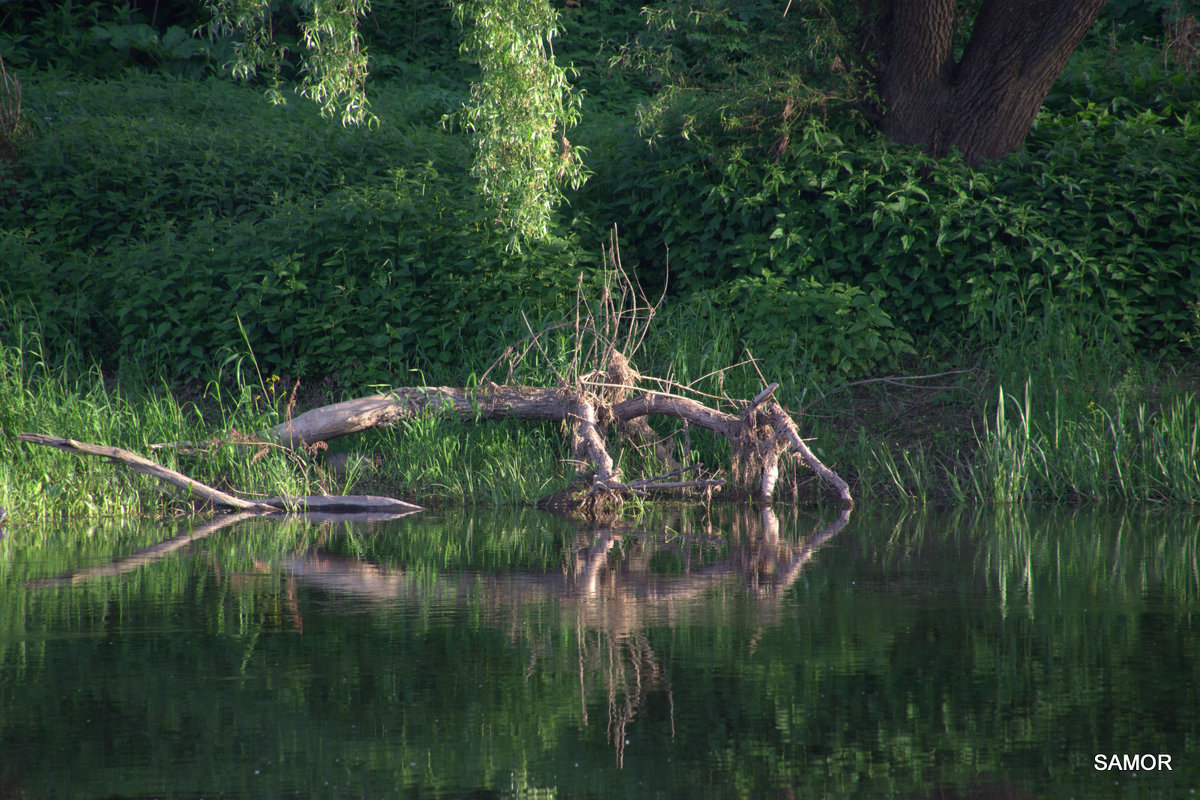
point(518, 113)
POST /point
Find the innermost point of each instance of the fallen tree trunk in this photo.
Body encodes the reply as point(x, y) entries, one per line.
point(760, 435)
point(596, 393)
point(314, 504)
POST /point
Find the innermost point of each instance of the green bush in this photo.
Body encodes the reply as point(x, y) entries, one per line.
point(156, 214)
point(1098, 212)
point(103, 39)
point(833, 329)
point(144, 228)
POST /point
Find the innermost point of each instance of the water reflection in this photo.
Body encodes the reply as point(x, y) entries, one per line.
point(610, 591)
point(612, 579)
point(733, 653)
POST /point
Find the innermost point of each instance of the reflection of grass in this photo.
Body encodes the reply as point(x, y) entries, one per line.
point(1049, 556)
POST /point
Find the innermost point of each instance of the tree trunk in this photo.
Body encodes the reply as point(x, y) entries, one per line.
point(984, 103)
point(759, 436)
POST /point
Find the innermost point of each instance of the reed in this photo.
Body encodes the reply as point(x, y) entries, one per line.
point(1010, 453)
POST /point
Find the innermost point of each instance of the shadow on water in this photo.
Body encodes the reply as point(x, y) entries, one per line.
point(733, 652)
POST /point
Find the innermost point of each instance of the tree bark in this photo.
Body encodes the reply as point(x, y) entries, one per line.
point(983, 103)
point(328, 506)
point(760, 436)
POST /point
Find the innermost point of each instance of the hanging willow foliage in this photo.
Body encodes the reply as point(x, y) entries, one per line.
point(334, 68)
point(518, 113)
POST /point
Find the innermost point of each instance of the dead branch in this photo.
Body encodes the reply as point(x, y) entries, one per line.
point(763, 432)
point(317, 504)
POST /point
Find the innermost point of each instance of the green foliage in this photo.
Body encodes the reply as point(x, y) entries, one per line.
point(103, 38)
point(334, 67)
point(1096, 214)
point(519, 112)
point(504, 463)
point(335, 71)
point(1125, 77)
point(415, 41)
point(1142, 17)
point(143, 229)
point(148, 231)
point(804, 326)
point(745, 71)
point(1115, 450)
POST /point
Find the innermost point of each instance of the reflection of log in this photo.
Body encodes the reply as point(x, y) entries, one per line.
point(763, 431)
point(146, 555)
point(612, 597)
point(345, 504)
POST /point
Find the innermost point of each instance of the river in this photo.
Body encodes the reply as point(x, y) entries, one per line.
point(703, 653)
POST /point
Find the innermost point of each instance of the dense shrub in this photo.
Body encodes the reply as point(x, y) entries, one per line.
point(102, 39)
point(1098, 212)
point(146, 227)
point(791, 325)
point(165, 217)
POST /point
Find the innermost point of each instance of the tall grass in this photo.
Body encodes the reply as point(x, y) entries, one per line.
point(443, 460)
point(1071, 416)
point(71, 397)
point(1094, 422)
point(1009, 454)
point(437, 460)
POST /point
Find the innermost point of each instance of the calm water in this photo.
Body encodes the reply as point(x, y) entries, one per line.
point(737, 654)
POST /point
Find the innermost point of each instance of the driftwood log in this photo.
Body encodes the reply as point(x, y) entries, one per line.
point(761, 434)
point(311, 505)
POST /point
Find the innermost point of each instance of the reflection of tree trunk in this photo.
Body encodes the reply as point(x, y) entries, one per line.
point(614, 597)
point(630, 670)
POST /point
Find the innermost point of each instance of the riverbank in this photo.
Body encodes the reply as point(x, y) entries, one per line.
point(1048, 415)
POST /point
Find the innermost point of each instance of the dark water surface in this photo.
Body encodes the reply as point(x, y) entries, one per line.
point(737, 654)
